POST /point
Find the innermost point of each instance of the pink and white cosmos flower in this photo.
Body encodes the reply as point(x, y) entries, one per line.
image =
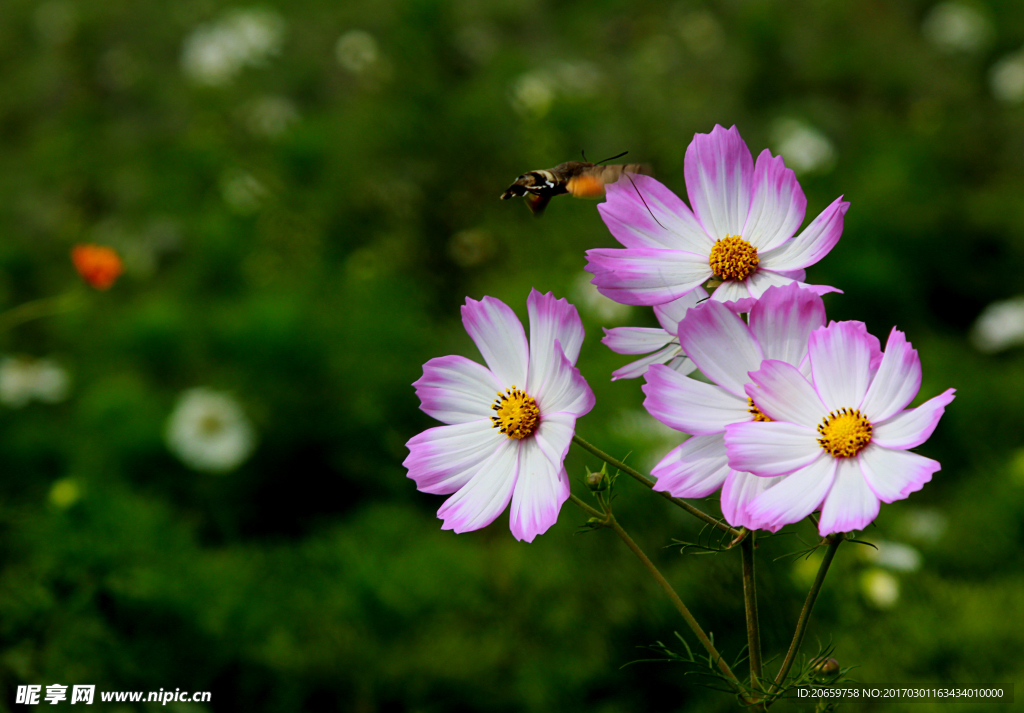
point(664, 342)
point(841, 439)
point(741, 230)
point(726, 350)
point(509, 424)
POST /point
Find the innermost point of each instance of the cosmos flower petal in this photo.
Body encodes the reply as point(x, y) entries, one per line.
point(841, 364)
point(738, 492)
point(560, 387)
point(541, 488)
point(694, 469)
point(443, 459)
point(782, 394)
point(554, 436)
point(798, 275)
point(636, 340)
point(777, 206)
point(896, 382)
point(797, 496)
point(735, 294)
point(454, 389)
point(552, 319)
point(811, 245)
point(671, 313)
point(783, 319)
point(682, 364)
point(646, 276)
point(689, 405)
point(767, 449)
point(478, 463)
point(759, 281)
point(477, 503)
point(894, 474)
point(719, 171)
point(911, 428)
point(642, 213)
point(850, 504)
point(873, 343)
point(499, 336)
point(670, 355)
point(721, 345)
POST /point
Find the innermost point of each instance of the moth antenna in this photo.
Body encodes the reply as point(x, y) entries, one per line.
point(583, 153)
point(612, 158)
point(626, 174)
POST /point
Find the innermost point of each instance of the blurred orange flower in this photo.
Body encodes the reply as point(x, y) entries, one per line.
point(98, 265)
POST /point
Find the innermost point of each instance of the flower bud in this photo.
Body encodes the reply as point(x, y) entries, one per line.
point(825, 668)
point(597, 481)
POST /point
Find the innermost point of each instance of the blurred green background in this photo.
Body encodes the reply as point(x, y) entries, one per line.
point(304, 193)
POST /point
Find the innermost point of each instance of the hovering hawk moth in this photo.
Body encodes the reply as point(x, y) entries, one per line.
point(577, 178)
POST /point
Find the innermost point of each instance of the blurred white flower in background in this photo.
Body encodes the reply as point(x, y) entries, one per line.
point(56, 21)
point(926, 525)
point(23, 379)
point(1006, 78)
point(804, 148)
point(879, 588)
point(356, 51)
point(468, 248)
point(477, 42)
point(999, 326)
point(270, 116)
point(533, 93)
point(956, 27)
point(140, 247)
point(701, 32)
point(595, 305)
point(209, 431)
point(242, 191)
point(578, 79)
point(892, 555)
point(214, 53)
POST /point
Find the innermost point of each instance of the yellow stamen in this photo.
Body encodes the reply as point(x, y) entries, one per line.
point(733, 258)
point(844, 432)
point(754, 411)
point(518, 415)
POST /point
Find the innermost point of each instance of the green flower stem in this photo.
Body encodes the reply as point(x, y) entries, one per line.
point(643, 479)
point(45, 307)
point(805, 613)
point(610, 521)
point(593, 512)
point(750, 605)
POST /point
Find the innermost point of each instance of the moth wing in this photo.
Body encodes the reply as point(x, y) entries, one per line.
point(591, 181)
point(537, 203)
point(585, 185)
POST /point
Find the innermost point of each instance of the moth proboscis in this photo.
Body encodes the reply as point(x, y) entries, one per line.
point(577, 178)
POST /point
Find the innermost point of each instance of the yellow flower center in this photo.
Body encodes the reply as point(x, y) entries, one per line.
point(517, 411)
point(844, 432)
point(733, 258)
point(211, 424)
point(754, 411)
